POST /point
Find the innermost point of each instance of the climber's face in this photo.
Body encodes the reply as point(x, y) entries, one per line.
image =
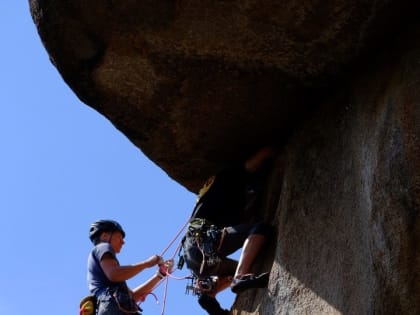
point(115, 238)
point(117, 241)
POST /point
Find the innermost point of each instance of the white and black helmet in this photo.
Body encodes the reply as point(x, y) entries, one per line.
point(96, 228)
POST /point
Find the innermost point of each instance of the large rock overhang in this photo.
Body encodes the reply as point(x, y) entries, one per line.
point(197, 84)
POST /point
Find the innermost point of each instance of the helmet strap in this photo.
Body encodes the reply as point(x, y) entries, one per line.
point(110, 237)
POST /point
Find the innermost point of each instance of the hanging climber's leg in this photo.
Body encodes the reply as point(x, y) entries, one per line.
point(251, 237)
point(250, 250)
point(222, 283)
point(211, 305)
point(243, 279)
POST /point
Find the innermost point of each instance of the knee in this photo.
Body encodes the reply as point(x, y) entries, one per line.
point(262, 228)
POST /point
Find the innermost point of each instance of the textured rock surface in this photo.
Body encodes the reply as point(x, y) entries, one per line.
point(347, 214)
point(195, 84)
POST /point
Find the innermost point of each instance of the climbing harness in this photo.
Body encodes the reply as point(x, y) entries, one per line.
point(208, 239)
point(199, 249)
point(125, 303)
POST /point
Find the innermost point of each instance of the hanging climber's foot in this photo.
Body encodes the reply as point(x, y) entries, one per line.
point(211, 305)
point(249, 281)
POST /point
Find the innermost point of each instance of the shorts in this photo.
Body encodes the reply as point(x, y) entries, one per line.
point(232, 239)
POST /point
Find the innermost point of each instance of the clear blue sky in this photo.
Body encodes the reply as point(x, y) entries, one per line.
point(62, 166)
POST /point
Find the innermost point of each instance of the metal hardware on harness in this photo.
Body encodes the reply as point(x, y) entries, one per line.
point(206, 285)
point(206, 237)
point(190, 286)
point(181, 262)
point(198, 286)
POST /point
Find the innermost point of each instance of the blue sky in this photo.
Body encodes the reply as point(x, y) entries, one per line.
point(62, 166)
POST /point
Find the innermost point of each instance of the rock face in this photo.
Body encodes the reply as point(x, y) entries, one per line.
point(347, 207)
point(197, 84)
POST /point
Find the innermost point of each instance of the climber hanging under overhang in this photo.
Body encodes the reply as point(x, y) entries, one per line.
point(220, 224)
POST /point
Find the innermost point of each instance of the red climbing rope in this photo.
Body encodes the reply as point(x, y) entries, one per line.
point(168, 273)
point(174, 239)
point(165, 292)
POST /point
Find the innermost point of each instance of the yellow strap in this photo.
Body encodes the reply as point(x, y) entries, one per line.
point(206, 187)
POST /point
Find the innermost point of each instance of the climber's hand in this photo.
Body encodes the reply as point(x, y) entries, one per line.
point(167, 267)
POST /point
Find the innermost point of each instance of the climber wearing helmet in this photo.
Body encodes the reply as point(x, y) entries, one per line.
point(219, 226)
point(107, 278)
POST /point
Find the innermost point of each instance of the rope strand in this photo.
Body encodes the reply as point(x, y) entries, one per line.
point(165, 292)
point(169, 275)
point(175, 238)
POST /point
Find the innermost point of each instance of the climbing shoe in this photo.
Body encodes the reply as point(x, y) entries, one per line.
point(251, 281)
point(211, 305)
